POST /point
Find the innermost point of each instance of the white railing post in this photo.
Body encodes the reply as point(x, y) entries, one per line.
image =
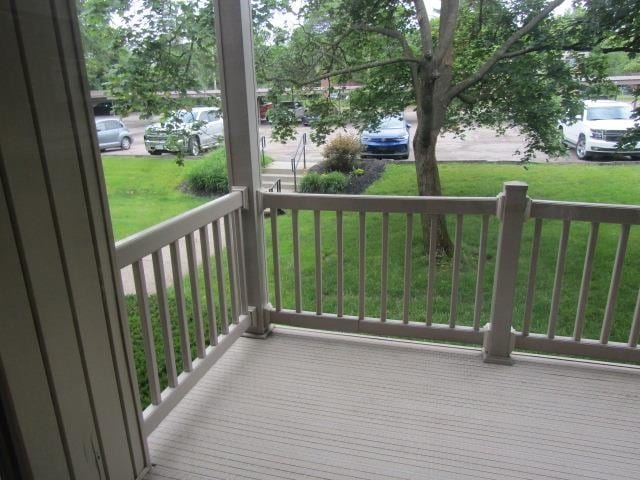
point(237, 77)
point(499, 338)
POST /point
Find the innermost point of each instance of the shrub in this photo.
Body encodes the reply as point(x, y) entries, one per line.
point(333, 182)
point(208, 177)
point(341, 153)
point(310, 183)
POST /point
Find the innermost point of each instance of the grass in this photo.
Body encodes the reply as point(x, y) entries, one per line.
point(617, 184)
point(144, 191)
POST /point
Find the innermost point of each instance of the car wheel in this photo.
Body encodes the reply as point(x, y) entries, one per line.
point(125, 143)
point(581, 148)
point(194, 147)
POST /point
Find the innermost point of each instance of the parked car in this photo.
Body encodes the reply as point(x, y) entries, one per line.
point(599, 129)
point(296, 108)
point(103, 108)
point(195, 130)
point(389, 140)
point(112, 133)
point(263, 108)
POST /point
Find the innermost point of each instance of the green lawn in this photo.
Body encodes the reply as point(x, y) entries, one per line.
point(619, 184)
point(144, 191)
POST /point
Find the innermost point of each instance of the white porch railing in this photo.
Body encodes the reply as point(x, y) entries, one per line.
point(210, 337)
point(513, 209)
point(216, 220)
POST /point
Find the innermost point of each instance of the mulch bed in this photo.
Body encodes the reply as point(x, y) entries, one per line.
point(373, 169)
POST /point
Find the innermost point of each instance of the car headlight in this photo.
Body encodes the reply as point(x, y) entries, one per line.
point(366, 138)
point(597, 134)
point(402, 137)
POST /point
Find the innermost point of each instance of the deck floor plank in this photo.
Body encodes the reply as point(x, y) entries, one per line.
point(312, 405)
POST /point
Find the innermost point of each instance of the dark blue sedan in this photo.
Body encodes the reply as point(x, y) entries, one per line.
point(390, 140)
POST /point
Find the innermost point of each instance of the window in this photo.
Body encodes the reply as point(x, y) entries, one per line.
point(609, 113)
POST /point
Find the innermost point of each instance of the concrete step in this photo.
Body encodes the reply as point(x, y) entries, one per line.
point(277, 170)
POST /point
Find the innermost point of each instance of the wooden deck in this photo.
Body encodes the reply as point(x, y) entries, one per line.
point(303, 404)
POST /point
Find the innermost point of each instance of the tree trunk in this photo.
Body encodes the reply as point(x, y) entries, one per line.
point(424, 149)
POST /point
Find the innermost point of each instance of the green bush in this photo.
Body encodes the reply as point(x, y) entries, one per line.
point(341, 153)
point(311, 183)
point(332, 182)
point(208, 177)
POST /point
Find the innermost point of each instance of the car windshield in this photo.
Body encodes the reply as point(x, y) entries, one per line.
point(609, 113)
point(181, 116)
point(392, 122)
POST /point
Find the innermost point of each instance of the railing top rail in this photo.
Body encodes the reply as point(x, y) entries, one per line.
point(378, 203)
point(147, 241)
point(587, 212)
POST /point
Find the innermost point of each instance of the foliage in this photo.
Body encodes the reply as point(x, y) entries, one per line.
point(357, 172)
point(208, 177)
point(332, 182)
point(341, 152)
point(150, 53)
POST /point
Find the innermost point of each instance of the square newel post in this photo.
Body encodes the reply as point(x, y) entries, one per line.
point(499, 338)
point(239, 105)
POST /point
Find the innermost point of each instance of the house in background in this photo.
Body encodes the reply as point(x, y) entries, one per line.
point(296, 404)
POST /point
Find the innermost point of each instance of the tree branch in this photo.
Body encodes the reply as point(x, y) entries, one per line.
point(353, 69)
point(388, 32)
point(448, 21)
point(567, 48)
point(425, 28)
point(502, 51)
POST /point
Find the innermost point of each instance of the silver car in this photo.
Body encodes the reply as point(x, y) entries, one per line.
point(200, 128)
point(112, 133)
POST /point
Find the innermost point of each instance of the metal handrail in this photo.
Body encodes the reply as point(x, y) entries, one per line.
point(263, 145)
point(301, 152)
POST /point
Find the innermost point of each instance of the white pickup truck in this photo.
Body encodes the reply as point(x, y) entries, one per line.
point(599, 129)
point(188, 131)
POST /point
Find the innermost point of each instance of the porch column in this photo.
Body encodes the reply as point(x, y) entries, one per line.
point(238, 85)
point(67, 391)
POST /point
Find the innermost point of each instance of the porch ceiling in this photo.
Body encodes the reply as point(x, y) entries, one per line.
point(315, 405)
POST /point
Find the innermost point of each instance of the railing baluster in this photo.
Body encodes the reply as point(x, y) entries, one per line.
point(147, 332)
point(165, 321)
point(482, 261)
point(531, 283)
point(362, 266)
point(242, 274)
point(222, 295)
point(318, 245)
point(384, 274)
point(195, 294)
point(635, 326)
point(340, 266)
point(276, 258)
point(296, 260)
point(586, 281)
point(431, 286)
point(408, 243)
point(455, 276)
point(233, 267)
point(178, 286)
point(208, 287)
point(616, 276)
point(557, 282)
